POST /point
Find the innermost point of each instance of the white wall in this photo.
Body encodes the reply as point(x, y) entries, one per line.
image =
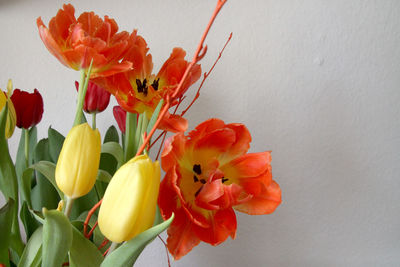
point(316, 82)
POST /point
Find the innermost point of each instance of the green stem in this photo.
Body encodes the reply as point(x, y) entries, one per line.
point(129, 135)
point(112, 247)
point(82, 93)
point(94, 120)
point(68, 206)
point(26, 131)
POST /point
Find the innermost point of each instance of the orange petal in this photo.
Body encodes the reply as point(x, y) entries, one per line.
point(251, 164)
point(223, 224)
point(181, 237)
point(173, 123)
point(264, 203)
point(174, 147)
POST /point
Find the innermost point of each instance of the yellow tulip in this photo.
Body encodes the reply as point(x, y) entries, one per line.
point(12, 117)
point(78, 162)
point(129, 203)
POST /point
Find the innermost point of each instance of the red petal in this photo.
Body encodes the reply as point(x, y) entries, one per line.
point(223, 224)
point(181, 237)
point(204, 128)
point(264, 203)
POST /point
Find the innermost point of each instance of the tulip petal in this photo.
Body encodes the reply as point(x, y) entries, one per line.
point(264, 203)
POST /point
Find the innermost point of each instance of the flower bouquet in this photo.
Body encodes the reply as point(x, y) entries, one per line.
point(84, 201)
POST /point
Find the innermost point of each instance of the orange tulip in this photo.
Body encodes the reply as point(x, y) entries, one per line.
point(76, 42)
point(139, 90)
point(208, 175)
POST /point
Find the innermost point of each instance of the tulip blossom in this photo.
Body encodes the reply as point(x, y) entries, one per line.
point(96, 99)
point(129, 203)
point(28, 107)
point(120, 117)
point(75, 42)
point(78, 162)
point(139, 90)
point(208, 176)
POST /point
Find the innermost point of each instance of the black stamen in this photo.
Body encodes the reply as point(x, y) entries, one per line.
point(155, 84)
point(224, 179)
point(197, 168)
point(198, 191)
point(195, 179)
point(139, 86)
point(202, 181)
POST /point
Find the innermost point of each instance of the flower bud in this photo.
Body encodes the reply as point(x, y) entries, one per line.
point(28, 106)
point(129, 203)
point(11, 117)
point(96, 99)
point(78, 162)
point(120, 117)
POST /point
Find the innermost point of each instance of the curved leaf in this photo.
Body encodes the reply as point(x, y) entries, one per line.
point(127, 254)
point(56, 140)
point(114, 149)
point(48, 169)
point(32, 255)
point(91, 256)
point(103, 176)
point(57, 238)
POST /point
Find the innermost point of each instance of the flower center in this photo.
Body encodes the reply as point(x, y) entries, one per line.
point(142, 86)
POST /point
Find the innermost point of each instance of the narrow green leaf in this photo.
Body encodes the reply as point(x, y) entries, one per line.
point(25, 186)
point(83, 252)
point(32, 256)
point(111, 135)
point(154, 117)
point(57, 238)
point(20, 163)
point(6, 219)
point(56, 140)
point(127, 254)
point(48, 169)
point(28, 220)
point(114, 149)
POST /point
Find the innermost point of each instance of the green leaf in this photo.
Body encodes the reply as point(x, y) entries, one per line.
point(9, 184)
point(25, 186)
point(32, 256)
point(57, 238)
point(83, 252)
point(127, 254)
point(84, 203)
point(48, 169)
point(111, 135)
point(103, 176)
point(20, 164)
point(45, 190)
point(56, 141)
point(6, 219)
point(154, 117)
point(113, 149)
point(28, 220)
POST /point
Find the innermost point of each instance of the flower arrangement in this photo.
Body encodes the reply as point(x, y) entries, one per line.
point(108, 199)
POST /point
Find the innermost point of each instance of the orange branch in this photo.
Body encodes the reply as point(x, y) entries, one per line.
point(200, 52)
point(205, 76)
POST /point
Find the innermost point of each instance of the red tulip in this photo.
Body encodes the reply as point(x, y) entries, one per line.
point(120, 117)
point(96, 99)
point(28, 106)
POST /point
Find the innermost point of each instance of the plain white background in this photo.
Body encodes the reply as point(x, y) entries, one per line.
point(316, 82)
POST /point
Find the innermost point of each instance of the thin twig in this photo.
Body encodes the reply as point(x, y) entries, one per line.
point(206, 74)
